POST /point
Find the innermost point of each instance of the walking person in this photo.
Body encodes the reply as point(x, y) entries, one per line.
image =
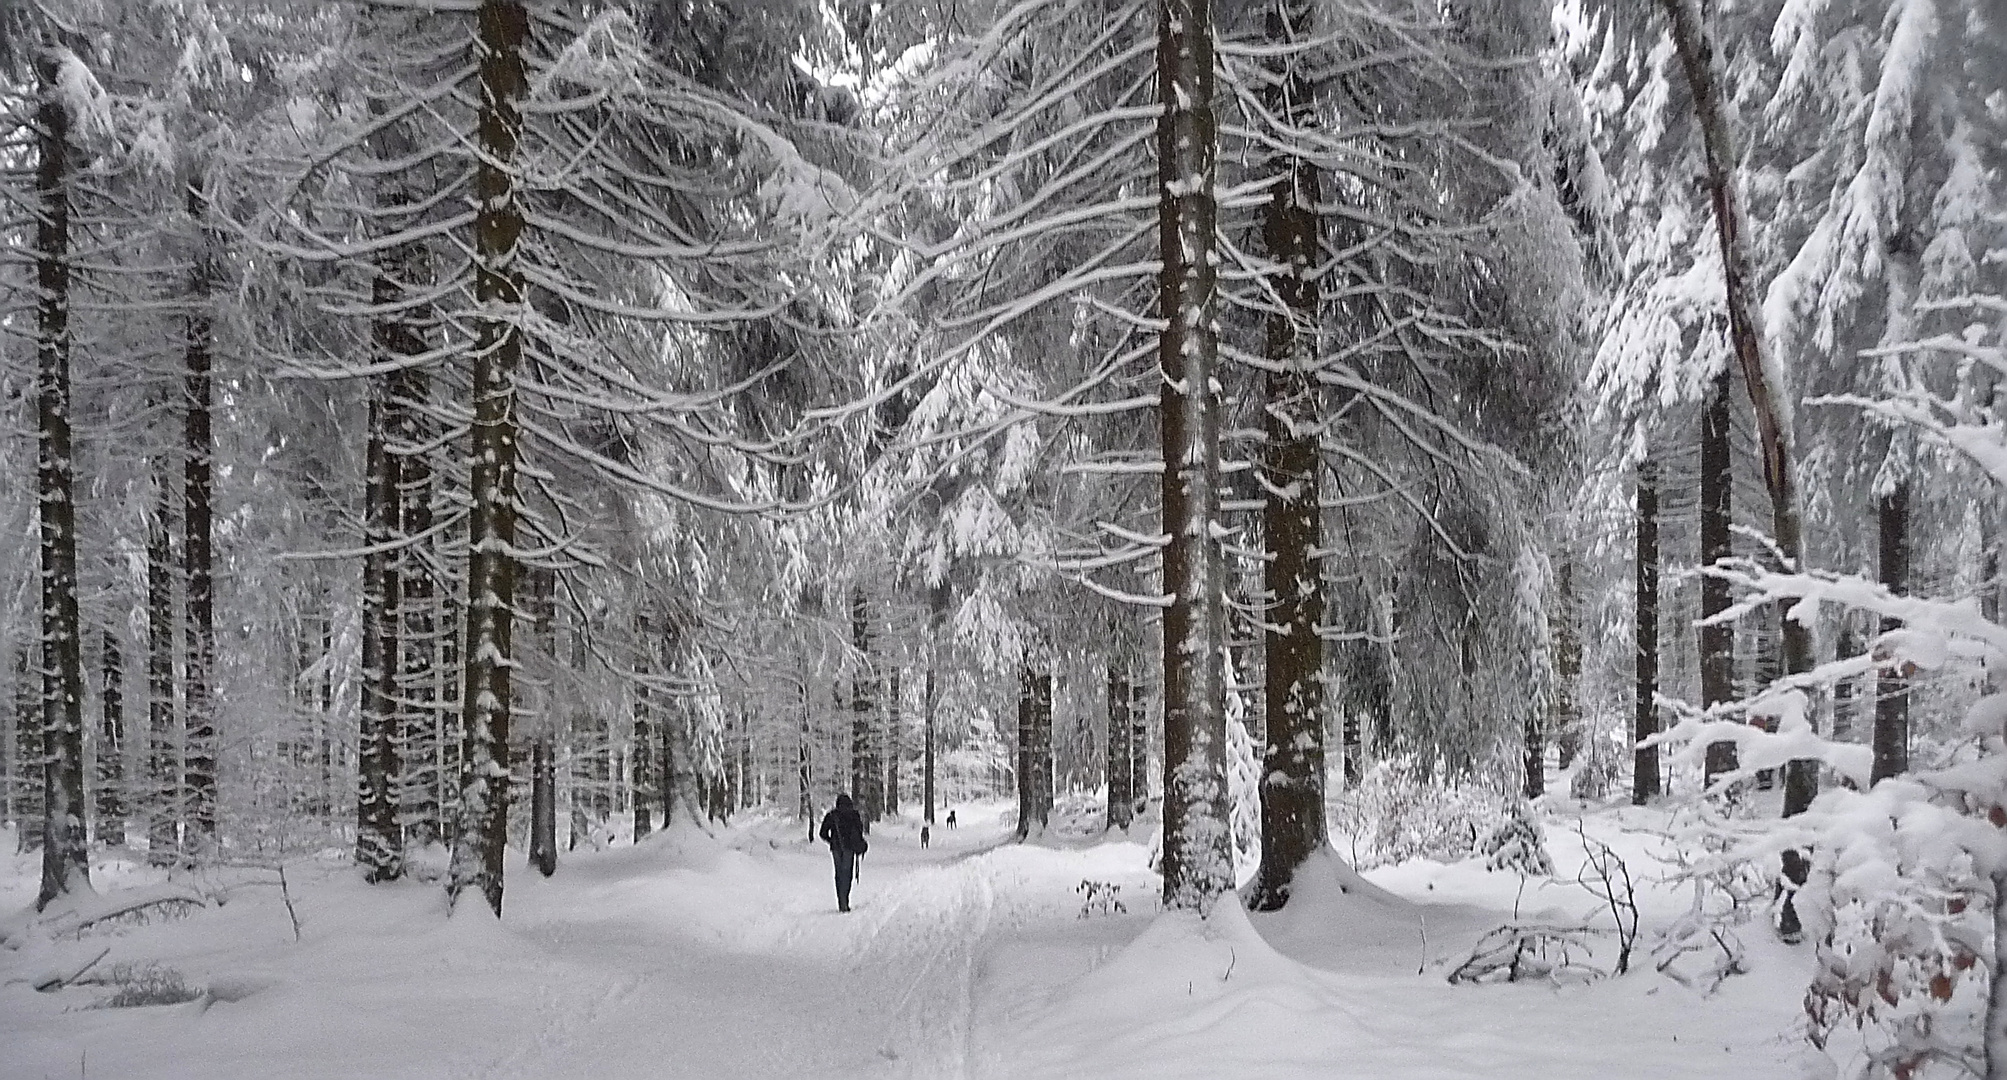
point(843, 830)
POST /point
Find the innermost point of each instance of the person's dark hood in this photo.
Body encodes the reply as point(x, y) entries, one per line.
point(843, 802)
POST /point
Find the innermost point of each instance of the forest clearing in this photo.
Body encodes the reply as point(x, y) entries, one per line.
point(1007, 538)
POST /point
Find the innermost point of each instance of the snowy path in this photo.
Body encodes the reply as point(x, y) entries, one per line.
point(720, 958)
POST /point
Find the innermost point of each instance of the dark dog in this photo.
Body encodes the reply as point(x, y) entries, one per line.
point(951, 819)
point(925, 835)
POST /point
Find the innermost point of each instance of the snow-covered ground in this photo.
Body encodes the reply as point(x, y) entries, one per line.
point(695, 955)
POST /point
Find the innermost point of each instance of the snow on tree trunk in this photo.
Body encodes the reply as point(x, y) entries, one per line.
point(379, 839)
point(492, 559)
point(111, 739)
point(1292, 773)
point(1645, 783)
point(66, 864)
point(1027, 720)
point(1717, 641)
point(163, 766)
point(1762, 373)
point(198, 635)
point(1891, 731)
point(1198, 841)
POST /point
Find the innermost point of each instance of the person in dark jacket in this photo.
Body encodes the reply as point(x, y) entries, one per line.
point(843, 830)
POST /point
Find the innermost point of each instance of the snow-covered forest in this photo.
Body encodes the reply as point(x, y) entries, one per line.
point(1323, 538)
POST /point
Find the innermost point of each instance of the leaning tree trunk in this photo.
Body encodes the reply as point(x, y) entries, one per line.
point(1292, 780)
point(111, 740)
point(163, 767)
point(1645, 720)
point(1891, 731)
point(198, 578)
point(66, 865)
point(491, 560)
point(1717, 641)
point(1700, 58)
point(379, 839)
point(1198, 846)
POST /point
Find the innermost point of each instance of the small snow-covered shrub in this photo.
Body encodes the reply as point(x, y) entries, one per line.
point(1401, 811)
point(1518, 846)
point(145, 984)
point(1517, 951)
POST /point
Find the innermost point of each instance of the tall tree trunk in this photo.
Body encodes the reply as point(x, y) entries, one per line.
point(1121, 787)
point(1891, 734)
point(1139, 749)
point(864, 778)
point(66, 865)
point(643, 778)
point(491, 561)
point(11, 774)
point(1027, 742)
point(1041, 765)
point(198, 578)
point(1292, 780)
point(543, 806)
point(163, 757)
point(30, 763)
point(1198, 847)
point(1844, 646)
point(892, 741)
point(1717, 642)
point(1700, 58)
point(379, 839)
point(1645, 783)
point(1567, 714)
point(111, 740)
point(804, 763)
point(418, 710)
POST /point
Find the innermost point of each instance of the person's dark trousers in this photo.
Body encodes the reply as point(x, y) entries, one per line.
point(845, 863)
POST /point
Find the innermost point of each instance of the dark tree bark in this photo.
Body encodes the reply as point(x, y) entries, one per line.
point(111, 740)
point(419, 718)
point(1292, 781)
point(198, 577)
point(66, 863)
point(1567, 714)
point(1891, 733)
point(163, 764)
point(30, 777)
point(543, 806)
point(10, 739)
point(1121, 784)
point(1197, 854)
point(1717, 642)
point(865, 779)
point(1041, 765)
point(937, 614)
point(1027, 713)
point(492, 560)
point(641, 762)
point(379, 838)
point(1645, 783)
point(892, 747)
point(1844, 646)
point(1533, 749)
point(1139, 749)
